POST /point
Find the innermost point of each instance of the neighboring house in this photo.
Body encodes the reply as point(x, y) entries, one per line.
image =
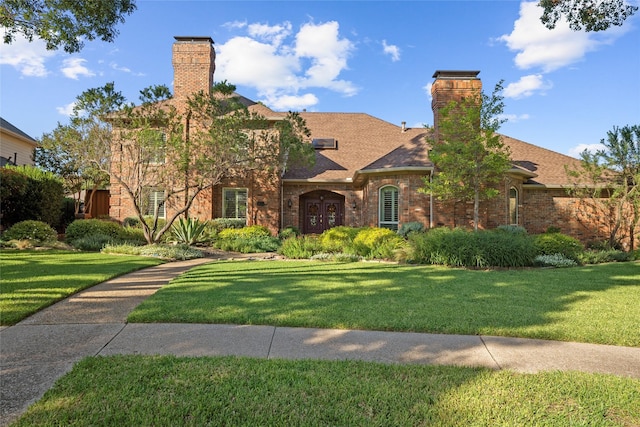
point(16, 147)
point(368, 171)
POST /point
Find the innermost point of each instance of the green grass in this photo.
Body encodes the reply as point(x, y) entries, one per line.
point(170, 391)
point(596, 303)
point(32, 280)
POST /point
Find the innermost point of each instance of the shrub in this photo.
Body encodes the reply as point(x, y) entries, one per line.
point(132, 235)
point(375, 242)
point(464, 248)
point(92, 242)
point(302, 247)
point(336, 239)
point(35, 231)
point(248, 245)
point(188, 231)
point(554, 260)
point(220, 224)
point(39, 199)
point(181, 252)
point(245, 232)
point(512, 229)
point(288, 232)
point(131, 221)
point(410, 227)
point(86, 227)
point(558, 243)
point(598, 257)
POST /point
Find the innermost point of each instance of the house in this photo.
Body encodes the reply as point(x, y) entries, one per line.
point(368, 171)
point(16, 147)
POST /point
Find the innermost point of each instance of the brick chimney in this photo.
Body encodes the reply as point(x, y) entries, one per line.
point(193, 66)
point(452, 86)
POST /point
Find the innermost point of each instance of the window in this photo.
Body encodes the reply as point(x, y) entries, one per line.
point(155, 202)
point(388, 213)
point(513, 206)
point(234, 203)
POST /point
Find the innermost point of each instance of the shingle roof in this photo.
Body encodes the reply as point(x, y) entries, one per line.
point(5, 125)
point(366, 143)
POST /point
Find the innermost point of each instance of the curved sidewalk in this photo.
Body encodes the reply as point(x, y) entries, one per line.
point(37, 351)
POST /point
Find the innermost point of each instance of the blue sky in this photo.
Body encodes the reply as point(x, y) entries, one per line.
point(563, 90)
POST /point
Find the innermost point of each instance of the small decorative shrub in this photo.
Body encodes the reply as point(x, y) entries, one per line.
point(87, 227)
point(188, 231)
point(379, 243)
point(170, 252)
point(245, 232)
point(35, 231)
point(558, 243)
point(410, 227)
point(222, 223)
point(132, 235)
point(554, 260)
point(92, 242)
point(302, 247)
point(338, 257)
point(288, 232)
point(598, 257)
point(512, 229)
point(336, 239)
point(131, 221)
point(248, 245)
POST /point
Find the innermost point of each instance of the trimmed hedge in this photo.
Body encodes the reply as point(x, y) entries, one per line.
point(558, 243)
point(36, 231)
point(81, 228)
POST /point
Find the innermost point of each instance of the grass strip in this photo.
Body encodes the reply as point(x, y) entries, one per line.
point(32, 280)
point(170, 391)
point(595, 303)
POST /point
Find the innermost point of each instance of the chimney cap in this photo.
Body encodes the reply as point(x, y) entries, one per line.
point(455, 74)
point(193, 39)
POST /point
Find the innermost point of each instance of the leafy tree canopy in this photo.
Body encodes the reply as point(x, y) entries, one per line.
point(64, 23)
point(469, 155)
point(592, 15)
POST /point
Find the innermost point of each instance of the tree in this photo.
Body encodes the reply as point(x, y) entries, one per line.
point(80, 151)
point(64, 23)
point(184, 151)
point(593, 15)
point(607, 184)
point(469, 156)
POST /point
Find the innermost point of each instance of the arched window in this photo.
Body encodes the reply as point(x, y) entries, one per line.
point(513, 206)
point(388, 210)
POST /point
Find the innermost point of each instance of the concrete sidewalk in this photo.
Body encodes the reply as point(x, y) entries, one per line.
point(37, 351)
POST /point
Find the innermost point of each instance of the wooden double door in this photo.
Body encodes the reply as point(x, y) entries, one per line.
point(322, 212)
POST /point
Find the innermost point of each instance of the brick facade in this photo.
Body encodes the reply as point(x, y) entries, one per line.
point(371, 154)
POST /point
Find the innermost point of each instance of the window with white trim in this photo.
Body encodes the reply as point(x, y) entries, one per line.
point(513, 206)
point(234, 203)
point(155, 203)
point(388, 209)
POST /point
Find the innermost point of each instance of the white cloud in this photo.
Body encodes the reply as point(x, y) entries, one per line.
point(74, 67)
point(27, 57)
point(578, 149)
point(427, 89)
point(514, 118)
point(66, 110)
point(124, 69)
point(526, 86)
point(539, 47)
point(279, 63)
point(392, 50)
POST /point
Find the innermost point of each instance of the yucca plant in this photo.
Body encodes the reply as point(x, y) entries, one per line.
point(188, 231)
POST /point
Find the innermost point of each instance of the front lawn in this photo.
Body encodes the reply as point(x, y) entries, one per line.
point(595, 303)
point(170, 391)
point(32, 280)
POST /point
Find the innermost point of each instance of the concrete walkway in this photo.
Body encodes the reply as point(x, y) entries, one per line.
point(37, 351)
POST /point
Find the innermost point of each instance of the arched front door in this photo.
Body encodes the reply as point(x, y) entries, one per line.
point(322, 210)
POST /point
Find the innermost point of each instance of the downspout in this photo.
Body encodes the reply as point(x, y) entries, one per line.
point(430, 203)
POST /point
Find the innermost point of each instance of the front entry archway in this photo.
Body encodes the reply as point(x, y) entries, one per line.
point(321, 210)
